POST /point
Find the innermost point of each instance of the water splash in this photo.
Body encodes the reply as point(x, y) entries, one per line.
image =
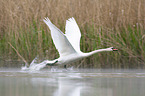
point(34, 65)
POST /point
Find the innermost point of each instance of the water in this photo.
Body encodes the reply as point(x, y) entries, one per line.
point(83, 82)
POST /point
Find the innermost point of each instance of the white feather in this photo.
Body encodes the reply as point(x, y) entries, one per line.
point(73, 33)
point(61, 42)
point(68, 45)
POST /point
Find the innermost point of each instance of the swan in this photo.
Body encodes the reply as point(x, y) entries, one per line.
point(68, 44)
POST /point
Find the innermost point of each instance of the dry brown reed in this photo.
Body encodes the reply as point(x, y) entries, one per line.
point(103, 23)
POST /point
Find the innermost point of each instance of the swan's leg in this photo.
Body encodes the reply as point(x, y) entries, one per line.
point(65, 67)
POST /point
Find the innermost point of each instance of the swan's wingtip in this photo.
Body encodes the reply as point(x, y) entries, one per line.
point(46, 19)
point(70, 19)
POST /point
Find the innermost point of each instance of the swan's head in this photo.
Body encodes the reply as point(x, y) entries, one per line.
point(112, 49)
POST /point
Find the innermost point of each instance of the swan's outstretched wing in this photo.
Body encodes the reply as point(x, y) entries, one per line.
point(73, 33)
point(61, 42)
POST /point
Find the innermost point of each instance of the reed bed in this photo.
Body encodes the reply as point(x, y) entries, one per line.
point(103, 23)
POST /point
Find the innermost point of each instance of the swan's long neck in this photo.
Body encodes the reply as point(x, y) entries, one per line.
point(96, 51)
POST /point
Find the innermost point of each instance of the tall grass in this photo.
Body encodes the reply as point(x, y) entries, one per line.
point(103, 23)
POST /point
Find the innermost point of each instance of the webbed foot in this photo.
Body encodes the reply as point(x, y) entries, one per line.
point(52, 64)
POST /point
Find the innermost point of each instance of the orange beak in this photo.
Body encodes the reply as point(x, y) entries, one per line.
point(115, 49)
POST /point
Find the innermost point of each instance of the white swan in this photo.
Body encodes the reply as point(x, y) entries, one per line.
point(68, 44)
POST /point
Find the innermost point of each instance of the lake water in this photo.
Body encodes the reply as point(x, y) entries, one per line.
point(76, 82)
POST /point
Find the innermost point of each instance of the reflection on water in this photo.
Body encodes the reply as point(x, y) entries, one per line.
point(14, 82)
